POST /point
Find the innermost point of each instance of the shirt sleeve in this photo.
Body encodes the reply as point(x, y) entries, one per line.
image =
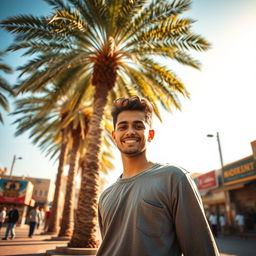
point(100, 219)
point(192, 229)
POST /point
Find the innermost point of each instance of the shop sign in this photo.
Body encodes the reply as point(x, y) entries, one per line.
point(15, 191)
point(207, 181)
point(242, 170)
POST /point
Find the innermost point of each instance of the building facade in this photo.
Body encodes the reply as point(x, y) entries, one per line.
point(231, 190)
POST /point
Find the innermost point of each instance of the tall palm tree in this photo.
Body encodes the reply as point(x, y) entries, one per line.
point(4, 87)
point(113, 45)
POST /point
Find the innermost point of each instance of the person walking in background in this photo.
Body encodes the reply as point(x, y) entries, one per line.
point(240, 223)
point(214, 224)
point(47, 219)
point(12, 219)
point(222, 221)
point(34, 219)
point(152, 209)
point(42, 217)
point(2, 217)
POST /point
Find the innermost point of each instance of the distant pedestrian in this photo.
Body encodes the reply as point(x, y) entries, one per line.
point(222, 221)
point(47, 219)
point(214, 224)
point(12, 219)
point(240, 223)
point(2, 217)
point(42, 217)
point(34, 219)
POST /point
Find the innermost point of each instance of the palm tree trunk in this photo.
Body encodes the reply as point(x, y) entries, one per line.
point(66, 228)
point(85, 228)
point(55, 215)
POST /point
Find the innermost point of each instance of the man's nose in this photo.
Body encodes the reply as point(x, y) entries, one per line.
point(130, 130)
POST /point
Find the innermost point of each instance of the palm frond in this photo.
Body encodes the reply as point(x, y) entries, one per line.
point(4, 102)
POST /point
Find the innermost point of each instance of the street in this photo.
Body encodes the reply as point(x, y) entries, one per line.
point(236, 246)
point(37, 246)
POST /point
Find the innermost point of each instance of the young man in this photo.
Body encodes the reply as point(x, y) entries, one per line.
point(152, 209)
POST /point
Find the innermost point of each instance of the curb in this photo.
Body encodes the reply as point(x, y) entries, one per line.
point(68, 251)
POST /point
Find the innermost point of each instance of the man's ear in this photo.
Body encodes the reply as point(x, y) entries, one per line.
point(151, 134)
point(114, 136)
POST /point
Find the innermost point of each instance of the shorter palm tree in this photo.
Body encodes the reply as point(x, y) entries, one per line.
point(78, 126)
point(78, 129)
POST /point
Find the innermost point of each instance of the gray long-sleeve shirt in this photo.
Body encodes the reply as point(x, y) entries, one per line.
point(157, 212)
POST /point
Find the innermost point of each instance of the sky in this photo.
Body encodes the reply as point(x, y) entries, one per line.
point(222, 95)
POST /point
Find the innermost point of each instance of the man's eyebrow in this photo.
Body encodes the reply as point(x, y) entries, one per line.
point(122, 122)
point(134, 122)
point(138, 122)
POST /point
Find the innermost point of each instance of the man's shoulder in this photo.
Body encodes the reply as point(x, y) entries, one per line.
point(107, 191)
point(172, 170)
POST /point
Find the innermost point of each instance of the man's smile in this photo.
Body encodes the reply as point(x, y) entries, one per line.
point(130, 140)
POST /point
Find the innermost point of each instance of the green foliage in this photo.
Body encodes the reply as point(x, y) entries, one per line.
point(4, 87)
point(77, 35)
point(45, 116)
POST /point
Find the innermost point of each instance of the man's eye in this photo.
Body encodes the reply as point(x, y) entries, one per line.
point(121, 128)
point(139, 127)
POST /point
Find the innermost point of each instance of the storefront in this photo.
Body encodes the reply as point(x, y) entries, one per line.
point(240, 179)
point(18, 192)
point(231, 190)
point(206, 184)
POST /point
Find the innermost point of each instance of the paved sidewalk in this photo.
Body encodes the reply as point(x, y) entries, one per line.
point(25, 246)
point(39, 244)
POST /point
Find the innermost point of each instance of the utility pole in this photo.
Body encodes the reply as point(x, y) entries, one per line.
point(226, 192)
point(12, 166)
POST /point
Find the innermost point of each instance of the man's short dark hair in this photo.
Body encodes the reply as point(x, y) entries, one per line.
point(132, 103)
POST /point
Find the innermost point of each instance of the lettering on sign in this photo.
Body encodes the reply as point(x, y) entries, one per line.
point(238, 170)
point(242, 170)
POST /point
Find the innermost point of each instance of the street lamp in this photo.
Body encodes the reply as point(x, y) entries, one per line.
point(219, 146)
point(13, 162)
point(226, 192)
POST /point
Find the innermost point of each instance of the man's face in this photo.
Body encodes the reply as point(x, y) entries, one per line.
point(132, 132)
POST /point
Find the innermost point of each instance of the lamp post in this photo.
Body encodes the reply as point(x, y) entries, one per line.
point(219, 146)
point(13, 162)
point(226, 192)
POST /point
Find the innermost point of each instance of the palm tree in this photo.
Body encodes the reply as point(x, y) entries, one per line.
point(55, 215)
point(46, 130)
point(112, 45)
point(49, 131)
point(4, 87)
point(79, 128)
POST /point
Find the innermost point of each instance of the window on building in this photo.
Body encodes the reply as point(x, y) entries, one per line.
point(40, 193)
point(35, 192)
point(45, 193)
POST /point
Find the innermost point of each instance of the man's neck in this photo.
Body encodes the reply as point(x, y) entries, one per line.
point(135, 165)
